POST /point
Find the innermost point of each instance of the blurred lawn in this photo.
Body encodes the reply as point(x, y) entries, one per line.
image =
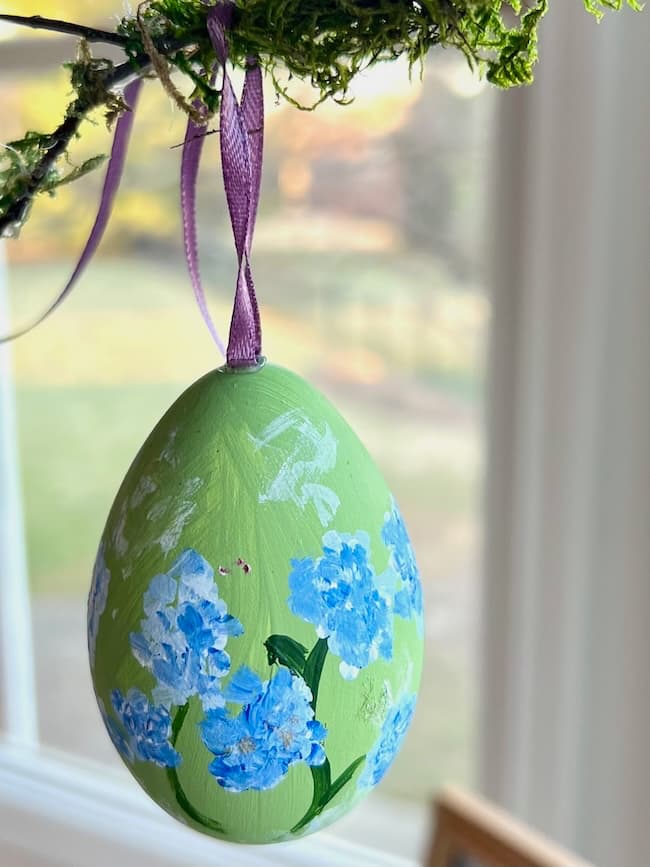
point(76, 445)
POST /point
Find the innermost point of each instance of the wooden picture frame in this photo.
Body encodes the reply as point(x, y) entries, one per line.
point(472, 832)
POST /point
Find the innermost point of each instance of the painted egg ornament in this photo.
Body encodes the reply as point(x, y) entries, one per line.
point(255, 615)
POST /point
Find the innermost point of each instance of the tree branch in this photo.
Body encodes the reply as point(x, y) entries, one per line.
point(91, 34)
point(61, 138)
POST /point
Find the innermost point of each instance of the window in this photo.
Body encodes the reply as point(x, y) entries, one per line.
point(366, 262)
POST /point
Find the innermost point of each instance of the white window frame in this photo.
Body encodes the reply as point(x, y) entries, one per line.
point(74, 813)
point(18, 715)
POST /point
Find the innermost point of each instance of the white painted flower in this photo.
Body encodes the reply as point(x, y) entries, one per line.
point(313, 455)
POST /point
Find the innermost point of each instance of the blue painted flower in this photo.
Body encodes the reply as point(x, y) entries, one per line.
point(141, 731)
point(408, 599)
point(184, 633)
point(392, 735)
point(340, 595)
point(274, 730)
point(97, 600)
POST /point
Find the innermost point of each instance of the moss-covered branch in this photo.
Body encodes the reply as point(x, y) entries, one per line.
point(325, 42)
point(29, 166)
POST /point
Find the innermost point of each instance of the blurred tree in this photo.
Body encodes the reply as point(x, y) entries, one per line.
point(440, 153)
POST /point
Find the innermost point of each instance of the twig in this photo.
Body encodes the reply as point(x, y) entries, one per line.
point(161, 67)
point(195, 137)
point(68, 129)
point(91, 34)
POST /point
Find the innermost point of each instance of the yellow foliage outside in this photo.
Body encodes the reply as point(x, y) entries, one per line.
point(90, 12)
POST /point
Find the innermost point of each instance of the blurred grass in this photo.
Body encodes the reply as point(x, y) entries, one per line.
point(76, 445)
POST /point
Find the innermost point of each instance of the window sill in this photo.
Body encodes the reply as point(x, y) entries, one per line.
point(64, 811)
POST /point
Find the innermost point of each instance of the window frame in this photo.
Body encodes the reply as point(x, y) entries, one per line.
point(77, 813)
point(18, 710)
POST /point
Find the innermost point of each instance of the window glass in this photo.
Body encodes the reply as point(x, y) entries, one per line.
point(367, 264)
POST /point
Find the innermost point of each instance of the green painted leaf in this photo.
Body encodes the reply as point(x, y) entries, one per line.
point(324, 790)
point(286, 651)
point(344, 778)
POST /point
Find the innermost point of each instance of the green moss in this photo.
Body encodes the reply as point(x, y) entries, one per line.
point(328, 42)
point(325, 42)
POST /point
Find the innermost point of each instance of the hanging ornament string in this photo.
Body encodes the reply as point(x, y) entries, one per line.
point(112, 180)
point(242, 142)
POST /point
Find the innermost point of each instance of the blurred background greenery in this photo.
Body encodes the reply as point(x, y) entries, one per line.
point(367, 261)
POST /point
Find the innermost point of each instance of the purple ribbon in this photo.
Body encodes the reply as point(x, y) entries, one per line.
point(112, 180)
point(192, 150)
point(241, 129)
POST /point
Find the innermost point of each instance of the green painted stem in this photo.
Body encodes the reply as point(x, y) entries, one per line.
point(177, 722)
point(322, 797)
point(324, 789)
point(172, 776)
point(286, 651)
point(314, 669)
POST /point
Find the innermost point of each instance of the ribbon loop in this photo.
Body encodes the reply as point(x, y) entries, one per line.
point(241, 132)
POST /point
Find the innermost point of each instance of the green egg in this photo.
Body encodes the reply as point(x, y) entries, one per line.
point(255, 616)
